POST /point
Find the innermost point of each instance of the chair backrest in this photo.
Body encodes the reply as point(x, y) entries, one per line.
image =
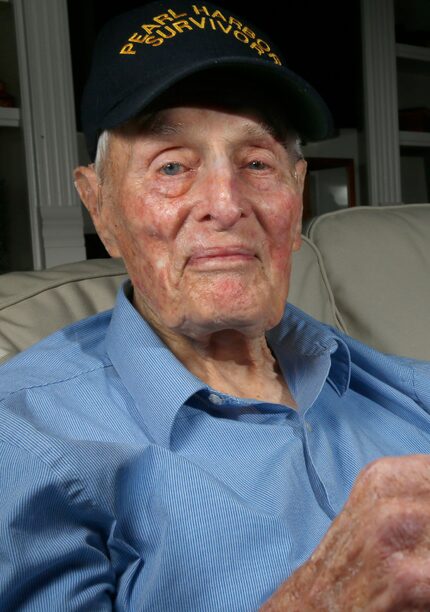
point(377, 260)
point(365, 270)
point(35, 304)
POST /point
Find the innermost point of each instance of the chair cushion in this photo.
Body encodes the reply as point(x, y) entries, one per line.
point(377, 261)
point(35, 304)
point(309, 287)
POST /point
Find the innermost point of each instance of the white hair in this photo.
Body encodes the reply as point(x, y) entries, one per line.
point(293, 146)
point(101, 153)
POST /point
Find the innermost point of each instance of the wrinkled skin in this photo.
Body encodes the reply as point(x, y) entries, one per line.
point(204, 206)
point(164, 219)
point(206, 213)
point(376, 555)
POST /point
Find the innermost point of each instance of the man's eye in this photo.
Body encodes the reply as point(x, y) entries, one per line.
point(256, 164)
point(172, 168)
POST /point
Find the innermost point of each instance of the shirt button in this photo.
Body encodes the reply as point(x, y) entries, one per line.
point(215, 399)
point(308, 426)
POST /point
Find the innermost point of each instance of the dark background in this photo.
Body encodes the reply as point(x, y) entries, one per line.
point(321, 41)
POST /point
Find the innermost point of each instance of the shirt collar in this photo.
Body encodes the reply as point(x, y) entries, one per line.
point(160, 384)
point(309, 353)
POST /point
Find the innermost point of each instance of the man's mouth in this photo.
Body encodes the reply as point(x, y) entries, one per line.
point(213, 258)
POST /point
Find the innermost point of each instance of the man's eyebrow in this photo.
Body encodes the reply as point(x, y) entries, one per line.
point(160, 127)
point(157, 126)
point(259, 130)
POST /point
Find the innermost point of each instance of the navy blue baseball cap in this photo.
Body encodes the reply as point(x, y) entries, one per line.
point(141, 54)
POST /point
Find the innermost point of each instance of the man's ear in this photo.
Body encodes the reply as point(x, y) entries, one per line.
point(89, 188)
point(300, 168)
point(87, 185)
point(300, 175)
point(297, 242)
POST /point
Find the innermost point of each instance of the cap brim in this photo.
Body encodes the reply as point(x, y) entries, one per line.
point(304, 107)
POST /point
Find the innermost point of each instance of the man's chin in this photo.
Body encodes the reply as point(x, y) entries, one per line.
point(200, 327)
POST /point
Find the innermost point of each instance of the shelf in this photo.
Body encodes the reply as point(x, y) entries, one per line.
point(9, 117)
point(413, 52)
point(414, 139)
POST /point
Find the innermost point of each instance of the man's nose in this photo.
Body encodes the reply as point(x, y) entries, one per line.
point(221, 201)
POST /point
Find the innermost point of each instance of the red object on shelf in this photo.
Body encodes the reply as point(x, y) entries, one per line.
point(5, 98)
point(414, 119)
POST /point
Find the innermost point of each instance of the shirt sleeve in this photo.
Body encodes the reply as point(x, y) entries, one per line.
point(421, 370)
point(53, 553)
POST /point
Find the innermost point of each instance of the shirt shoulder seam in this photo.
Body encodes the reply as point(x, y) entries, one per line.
point(56, 382)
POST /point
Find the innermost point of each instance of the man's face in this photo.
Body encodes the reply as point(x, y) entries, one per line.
point(204, 206)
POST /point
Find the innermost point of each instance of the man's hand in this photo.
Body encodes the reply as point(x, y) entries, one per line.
point(376, 554)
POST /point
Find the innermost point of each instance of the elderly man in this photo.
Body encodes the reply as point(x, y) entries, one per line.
point(190, 449)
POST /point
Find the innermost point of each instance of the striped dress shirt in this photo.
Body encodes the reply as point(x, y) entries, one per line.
point(126, 483)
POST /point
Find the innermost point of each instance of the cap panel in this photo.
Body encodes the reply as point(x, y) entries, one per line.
point(140, 54)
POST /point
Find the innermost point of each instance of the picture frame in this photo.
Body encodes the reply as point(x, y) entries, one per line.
point(329, 186)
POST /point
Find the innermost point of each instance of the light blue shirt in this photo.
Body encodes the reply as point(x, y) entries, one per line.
point(126, 483)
